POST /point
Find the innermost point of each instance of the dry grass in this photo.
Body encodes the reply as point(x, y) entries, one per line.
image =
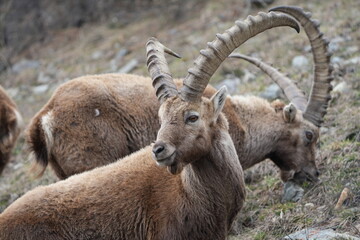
point(264, 216)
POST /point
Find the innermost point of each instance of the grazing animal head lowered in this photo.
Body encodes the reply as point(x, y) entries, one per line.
point(128, 109)
point(303, 117)
point(134, 198)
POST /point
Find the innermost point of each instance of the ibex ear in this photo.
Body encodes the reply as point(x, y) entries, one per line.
point(289, 113)
point(278, 105)
point(218, 101)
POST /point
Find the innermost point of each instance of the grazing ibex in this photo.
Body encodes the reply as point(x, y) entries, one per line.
point(313, 111)
point(88, 123)
point(10, 125)
point(199, 194)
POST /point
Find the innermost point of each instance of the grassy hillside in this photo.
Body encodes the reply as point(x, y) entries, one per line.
point(108, 47)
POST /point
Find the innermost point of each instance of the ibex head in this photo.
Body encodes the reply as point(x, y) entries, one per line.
point(187, 125)
point(188, 121)
point(303, 117)
point(295, 151)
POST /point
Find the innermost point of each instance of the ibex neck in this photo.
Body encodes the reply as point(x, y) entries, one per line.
point(260, 128)
point(220, 170)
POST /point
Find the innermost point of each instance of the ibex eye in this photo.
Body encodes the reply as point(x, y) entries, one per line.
point(308, 135)
point(192, 118)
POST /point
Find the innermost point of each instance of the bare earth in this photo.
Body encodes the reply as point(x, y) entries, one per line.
point(98, 48)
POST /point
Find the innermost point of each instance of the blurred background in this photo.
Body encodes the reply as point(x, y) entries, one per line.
point(46, 43)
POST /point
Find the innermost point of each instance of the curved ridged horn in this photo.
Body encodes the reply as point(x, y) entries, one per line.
point(159, 71)
point(219, 49)
point(320, 91)
point(291, 91)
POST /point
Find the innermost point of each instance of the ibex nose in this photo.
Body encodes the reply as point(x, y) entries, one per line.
point(158, 148)
point(317, 173)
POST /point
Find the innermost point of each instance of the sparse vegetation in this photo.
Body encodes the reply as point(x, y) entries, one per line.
point(74, 52)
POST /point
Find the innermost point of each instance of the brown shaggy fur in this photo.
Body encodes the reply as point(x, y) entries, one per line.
point(135, 199)
point(10, 121)
point(127, 120)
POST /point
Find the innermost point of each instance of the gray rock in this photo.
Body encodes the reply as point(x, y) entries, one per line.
point(323, 130)
point(300, 62)
point(43, 78)
point(309, 206)
point(318, 234)
point(307, 48)
point(352, 49)
point(272, 92)
point(40, 89)
point(292, 192)
point(231, 82)
point(354, 60)
point(248, 76)
point(341, 88)
point(336, 60)
point(121, 53)
point(115, 62)
point(97, 55)
point(13, 92)
point(25, 64)
point(129, 66)
point(334, 44)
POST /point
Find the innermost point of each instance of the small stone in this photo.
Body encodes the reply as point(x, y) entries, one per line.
point(40, 89)
point(333, 46)
point(121, 53)
point(352, 49)
point(43, 78)
point(309, 206)
point(115, 62)
point(337, 60)
point(321, 208)
point(307, 48)
point(25, 64)
point(97, 55)
point(354, 60)
point(300, 62)
point(342, 88)
point(248, 76)
point(292, 192)
point(323, 130)
point(272, 92)
point(231, 82)
point(318, 234)
point(129, 66)
point(13, 92)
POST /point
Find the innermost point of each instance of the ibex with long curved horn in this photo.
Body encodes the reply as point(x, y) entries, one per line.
point(134, 199)
point(87, 123)
point(10, 126)
point(314, 109)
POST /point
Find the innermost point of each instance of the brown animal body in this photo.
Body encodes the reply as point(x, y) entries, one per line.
point(10, 126)
point(197, 194)
point(87, 123)
point(99, 129)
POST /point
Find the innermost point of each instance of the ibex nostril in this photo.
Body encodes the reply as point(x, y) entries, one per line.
point(158, 149)
point(317, 173)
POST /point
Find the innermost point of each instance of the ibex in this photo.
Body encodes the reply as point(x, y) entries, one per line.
point(10, 126)
point(197, 196)
point(88, 122)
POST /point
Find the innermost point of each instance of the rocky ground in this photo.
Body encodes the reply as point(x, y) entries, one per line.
point(115, 47)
